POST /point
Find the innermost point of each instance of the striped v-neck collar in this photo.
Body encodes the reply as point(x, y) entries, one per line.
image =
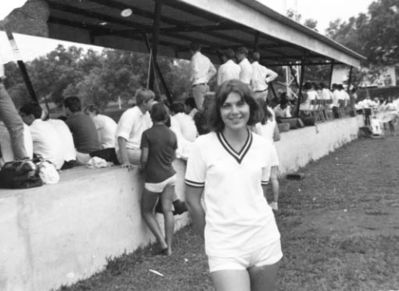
point(238, 156)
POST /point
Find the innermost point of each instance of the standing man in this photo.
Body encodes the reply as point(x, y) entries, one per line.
point(261, 77)
point(229, 69)
point(131, 126)
point(245, 65)
point(202, 70)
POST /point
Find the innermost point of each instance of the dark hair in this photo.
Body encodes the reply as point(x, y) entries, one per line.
point(190, 101)
point(73, 104)
point(92, 108)
point(159, 112)
point(229, 53)
point(242, 50)
point(215, 120)
point(256, 56)
point(322, 85)
point(143, 95)
point(195, 46)
point(307, 86)
point(32, 108)
point(264, 112)
point(177, 107)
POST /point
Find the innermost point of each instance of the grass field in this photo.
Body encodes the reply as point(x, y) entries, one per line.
point(339, 227)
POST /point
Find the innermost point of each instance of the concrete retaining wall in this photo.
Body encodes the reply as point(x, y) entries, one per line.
point(58, 234)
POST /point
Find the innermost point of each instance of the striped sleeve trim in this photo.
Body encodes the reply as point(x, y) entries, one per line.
point(264, 183)
point(194, 184)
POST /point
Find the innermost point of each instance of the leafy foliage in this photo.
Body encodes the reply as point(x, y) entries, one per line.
point(96, 77)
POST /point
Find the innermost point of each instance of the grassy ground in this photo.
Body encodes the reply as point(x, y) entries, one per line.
point(339, 227)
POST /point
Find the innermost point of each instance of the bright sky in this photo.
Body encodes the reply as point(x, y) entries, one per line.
point(323, 11)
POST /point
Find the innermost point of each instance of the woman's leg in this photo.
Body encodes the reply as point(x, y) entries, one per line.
point(167, 198)
point(231, 280)
point(148, 201)
point(263, 278)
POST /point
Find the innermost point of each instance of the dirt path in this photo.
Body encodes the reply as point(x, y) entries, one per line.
point(339, 226)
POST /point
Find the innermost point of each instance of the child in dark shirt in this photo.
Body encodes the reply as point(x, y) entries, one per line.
point(158, 146)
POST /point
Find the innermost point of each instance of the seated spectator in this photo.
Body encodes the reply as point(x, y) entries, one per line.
point(283, 109)
point(6, 149)
point(82, 127)
point(46, 141)
point(66, 138)
point(190, 107)
point(131, 126)
point(184, 122)
point(105, 125)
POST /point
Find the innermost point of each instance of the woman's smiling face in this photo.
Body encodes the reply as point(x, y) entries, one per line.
point(235, 112)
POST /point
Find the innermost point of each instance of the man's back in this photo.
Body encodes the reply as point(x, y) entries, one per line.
point(84, 133)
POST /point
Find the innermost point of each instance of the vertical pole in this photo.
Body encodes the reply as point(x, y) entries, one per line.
point(349, 79)
point(21, 65)
point(331, 75)
point(155, 38)
point(300, 89)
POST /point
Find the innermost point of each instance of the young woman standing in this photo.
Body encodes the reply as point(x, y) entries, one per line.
point(229, 168)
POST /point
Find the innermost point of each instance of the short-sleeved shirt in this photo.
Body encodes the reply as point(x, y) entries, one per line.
point(131, 126)
point(246, 71)
point(238, 217)
point(66, 138)
point(84, 133)
point(106, 129)
point(162, 144)
point(228, 71)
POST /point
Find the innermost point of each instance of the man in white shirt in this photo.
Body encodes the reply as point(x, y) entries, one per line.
point(131, 125)
point(105, 126)
point(229, 69)
point(202, 70)
point(46, 141)
point(261, 77)
point(66, 138)
point(245, 65)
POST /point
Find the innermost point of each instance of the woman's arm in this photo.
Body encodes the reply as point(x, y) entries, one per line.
point(193, 200)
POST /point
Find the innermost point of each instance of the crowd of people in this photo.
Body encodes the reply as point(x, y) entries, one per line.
point(227, 139)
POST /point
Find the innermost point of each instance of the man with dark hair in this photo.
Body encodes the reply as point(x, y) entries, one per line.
point(229, 69)
point(202, 70)
point(82, 127)
point(46, 141)
point(261, 77)
point(245, 65)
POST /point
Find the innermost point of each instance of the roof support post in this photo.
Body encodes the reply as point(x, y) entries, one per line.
point(331, 75)
point(21, 66)
point(349, 79)
point(155, 39)
point(300, 90)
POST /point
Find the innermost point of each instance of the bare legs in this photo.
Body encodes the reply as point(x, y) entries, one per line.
point(254, 279)
point(148, 203)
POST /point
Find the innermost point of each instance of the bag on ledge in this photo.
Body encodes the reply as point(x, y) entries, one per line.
point(19, 175)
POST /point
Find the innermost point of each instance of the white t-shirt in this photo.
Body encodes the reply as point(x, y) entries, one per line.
point(186, 126)
point(261, 76)
point(6, 147)
point(246, 71)
point(106, 129)
point(238, 217)
point(65, 135)
point(131, 126)
point(46, 142)
point(311, 95)
point(202, 69)
point(266, 130)
point(228, 71)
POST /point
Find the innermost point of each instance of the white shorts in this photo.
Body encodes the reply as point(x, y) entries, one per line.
point(264, 256)
point(159, 187)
